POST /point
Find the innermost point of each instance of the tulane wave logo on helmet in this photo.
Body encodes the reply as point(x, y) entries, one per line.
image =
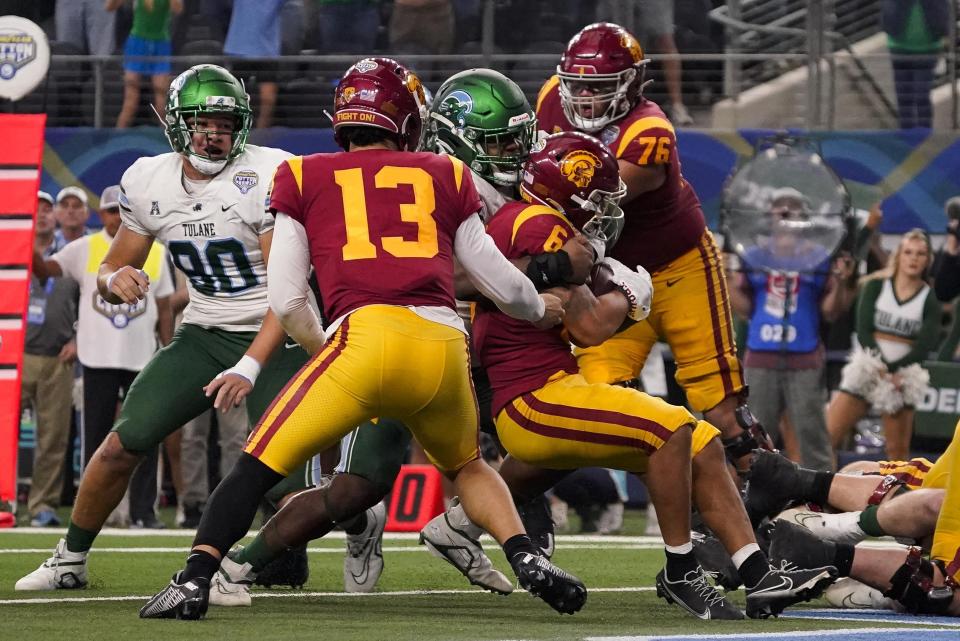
point(457, 106)
point(579, 167)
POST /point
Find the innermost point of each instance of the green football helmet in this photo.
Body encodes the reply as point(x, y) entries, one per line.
point(482, 117)
point(213, 91)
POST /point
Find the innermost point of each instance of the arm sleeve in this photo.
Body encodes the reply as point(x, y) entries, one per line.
point(866, 305)
point(927, 339)
point(287, 288)
point(946, 283)
point(494, 276)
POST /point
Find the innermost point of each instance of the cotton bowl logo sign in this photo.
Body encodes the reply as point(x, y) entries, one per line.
point(24, 56)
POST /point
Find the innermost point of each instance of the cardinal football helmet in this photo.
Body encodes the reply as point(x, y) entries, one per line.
point(382, 93)
point(578, 176)
point(601, 76)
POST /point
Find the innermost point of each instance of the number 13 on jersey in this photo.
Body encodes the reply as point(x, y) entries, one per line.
point(359, 245)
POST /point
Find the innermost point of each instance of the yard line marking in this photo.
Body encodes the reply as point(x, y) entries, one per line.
point(326, 550)
point(839, 633)
point(874, 616)
point(387, 536)
point(300, 595)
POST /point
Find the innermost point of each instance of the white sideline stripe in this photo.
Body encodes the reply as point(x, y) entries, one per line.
point(298, 595)
point(387, 536)
point(759, 635)
point(905, 619)
point(399, 548)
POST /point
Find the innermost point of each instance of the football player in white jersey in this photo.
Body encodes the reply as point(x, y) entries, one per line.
point(205, 202)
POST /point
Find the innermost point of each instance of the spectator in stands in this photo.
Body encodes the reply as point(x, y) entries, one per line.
point(898, 324)
point(915, 31)
point(422, 26)
point(347, 26)
point(87, 24)
point(254, 36)
point(216, 14)
point(114, 342)
point(784, 360)
point(71, 213)
point(652, 21)
point(49, 353)
point(149, 38)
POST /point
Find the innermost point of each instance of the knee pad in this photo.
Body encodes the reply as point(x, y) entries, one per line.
point(912, 586)
point(888, 484)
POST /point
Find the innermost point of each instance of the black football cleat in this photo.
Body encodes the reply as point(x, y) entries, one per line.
point(290, 568)
point(180, 600)
point(771, 485)
point(563, 592)
point(794, 546)
point(715, 561)
point(694, 594)
point(538, 522)
point(779, 589)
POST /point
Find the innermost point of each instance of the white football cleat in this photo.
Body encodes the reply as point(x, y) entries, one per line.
point(838, 528)
point(850, 593)
point(230, 586)
point(64, 570)
point(451, 536)
point(363, 564)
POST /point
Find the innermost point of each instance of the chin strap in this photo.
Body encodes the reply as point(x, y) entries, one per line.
point(751, 438)
point(207, 167)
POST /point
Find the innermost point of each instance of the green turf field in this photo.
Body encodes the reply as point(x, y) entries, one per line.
point(418, 597)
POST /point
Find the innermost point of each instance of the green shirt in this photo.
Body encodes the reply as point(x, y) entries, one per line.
point(152, 25)
point(915, 37)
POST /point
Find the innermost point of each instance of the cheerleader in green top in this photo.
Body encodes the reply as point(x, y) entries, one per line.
point(898, 325)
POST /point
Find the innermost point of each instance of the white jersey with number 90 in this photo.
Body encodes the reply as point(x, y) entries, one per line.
point(213, 235)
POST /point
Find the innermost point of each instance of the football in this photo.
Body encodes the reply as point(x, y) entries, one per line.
point(601, 279)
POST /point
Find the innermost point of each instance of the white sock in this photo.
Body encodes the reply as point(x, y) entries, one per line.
point(744, 553)
point(686, 548)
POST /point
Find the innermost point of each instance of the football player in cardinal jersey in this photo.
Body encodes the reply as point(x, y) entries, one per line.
point(205, 202)
point(552, 421)
point(598, 89)
point(380, 224)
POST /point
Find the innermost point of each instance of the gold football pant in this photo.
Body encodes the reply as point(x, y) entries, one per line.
point(382, 361)
point(569, 423)
point(691, 312)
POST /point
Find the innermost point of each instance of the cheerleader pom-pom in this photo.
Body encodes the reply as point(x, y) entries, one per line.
point(913, 384)
point(861, 375)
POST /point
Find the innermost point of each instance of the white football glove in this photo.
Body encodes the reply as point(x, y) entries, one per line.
point(635, 285)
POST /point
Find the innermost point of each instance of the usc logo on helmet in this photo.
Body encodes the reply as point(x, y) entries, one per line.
point(630, 43)
point(347, 95)
point(579, 167)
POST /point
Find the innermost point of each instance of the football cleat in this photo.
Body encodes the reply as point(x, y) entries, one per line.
point(715, 560)
point(230, 586)
point(793, 546)
point(771, 481)
point(451, 536)
point(187, 600)
point(779, 589)
point(290, 568)
point(563, 592)
point(850, 593)
point(694, 594)
point(363, 564)
point(64, 570)
point(839, 528)
point(537, 519)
